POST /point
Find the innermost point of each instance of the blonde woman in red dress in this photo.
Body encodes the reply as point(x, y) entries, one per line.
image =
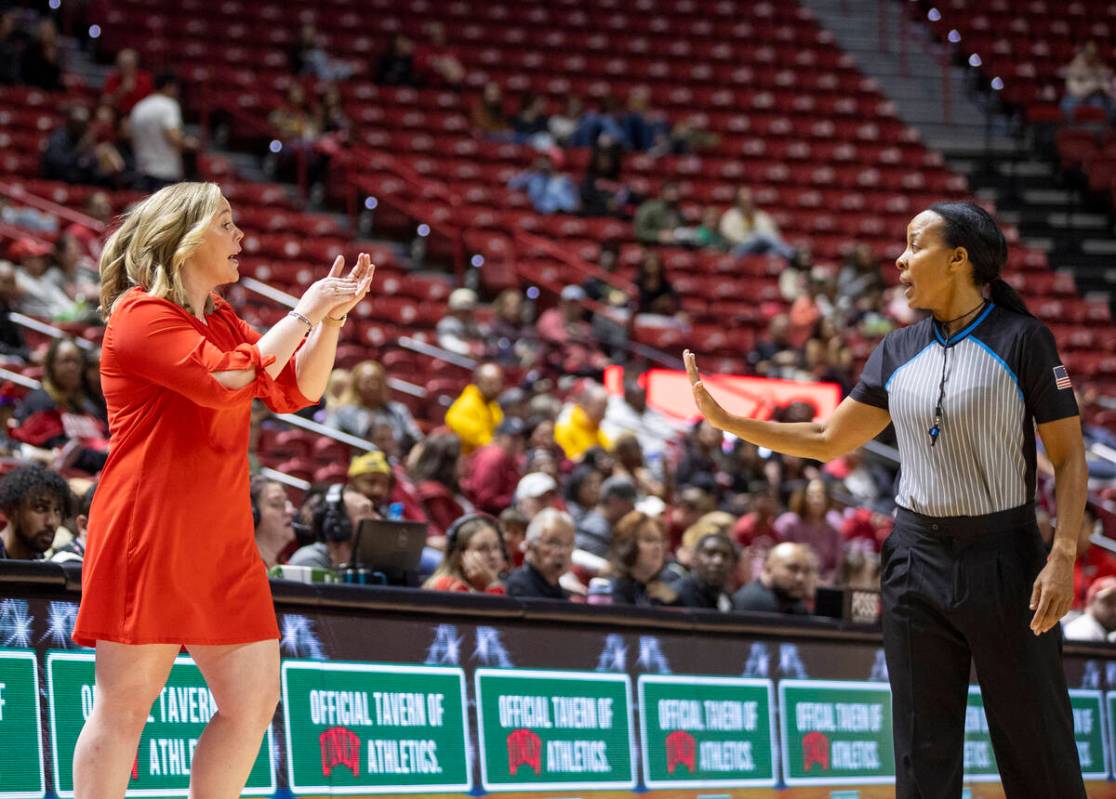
point(171, 560)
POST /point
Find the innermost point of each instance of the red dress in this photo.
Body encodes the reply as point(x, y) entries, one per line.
point(171, 555)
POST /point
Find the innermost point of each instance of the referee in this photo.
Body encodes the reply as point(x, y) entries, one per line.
point(965, 577)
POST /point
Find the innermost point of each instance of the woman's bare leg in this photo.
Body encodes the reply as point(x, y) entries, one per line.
point(244, 679)
point(129, 678)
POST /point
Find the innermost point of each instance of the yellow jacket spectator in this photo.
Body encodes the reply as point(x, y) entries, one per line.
point(475, 414)
point(578, 428)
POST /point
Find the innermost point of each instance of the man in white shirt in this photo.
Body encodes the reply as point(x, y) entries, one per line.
point(157, 136)
point(752, 230)
point(1098, 621)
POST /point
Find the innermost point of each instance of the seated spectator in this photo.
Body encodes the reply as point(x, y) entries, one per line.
point(628, 454)
point(755, 533)
point(579, 426)
point(476, 413)
point(643, 127)
point(373, 476)
point(309, 57)
point(808, 522)
point(704, 462)
point(530, 122)
point(603, 121)
point(637, 555)
point(81, 279)
point(396, 66)
point(656, 295)
point(11, 49)
point(562, 125)
point(1092, 562)
point(35, 501)
point(550, 192)
point(367, 402)
point(608, 259)
point(751, 230)
point(1088, 82)
point(513, 527)
point(582, 491)
point(12, 345)
point(334, 523)
point(73, 154)
point(860, 565)
point(488, 113)
point(573, 348)
point(658, 220)
point(63, 416)
point(127, 84)
point(97, 206)
point(458, 330)
point(297, 119)
point(273, 514)
point(41, 65)
point(859, 275)
point(494, 469)
point(436, 62)
point(475, 558)
point(629, 413)
point(714, 561)
point(436, 473)
point(707, 235)
point(549, 546)
point(1098, 622)
point(786, 584)
point(594, 531)
point(602, 192)
point(509, 336)
point(535, 491)
point(774, 355)
point(74, 551)
point(158, 139)
point(690, 504)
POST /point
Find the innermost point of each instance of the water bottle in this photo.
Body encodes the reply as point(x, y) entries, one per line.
point(600, 591)
point(395, 511)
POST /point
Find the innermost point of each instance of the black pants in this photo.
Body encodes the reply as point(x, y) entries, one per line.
point(956, 590)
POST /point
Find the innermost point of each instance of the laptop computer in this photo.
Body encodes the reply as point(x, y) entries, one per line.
point(389, 546)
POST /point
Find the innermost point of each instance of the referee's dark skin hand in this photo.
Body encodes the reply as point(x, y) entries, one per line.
point(1052, 593)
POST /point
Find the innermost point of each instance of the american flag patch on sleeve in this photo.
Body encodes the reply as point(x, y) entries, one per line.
point(1061, 377)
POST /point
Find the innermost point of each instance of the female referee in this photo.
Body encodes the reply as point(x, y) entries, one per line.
point(965, 577)
point(171, 559)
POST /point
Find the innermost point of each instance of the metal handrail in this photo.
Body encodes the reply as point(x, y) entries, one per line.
point(21, 194)
point(39, 326)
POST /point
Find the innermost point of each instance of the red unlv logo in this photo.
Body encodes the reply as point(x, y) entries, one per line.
point(340, 747)
point(524, 748)
point(680, 751)
point(815, 751)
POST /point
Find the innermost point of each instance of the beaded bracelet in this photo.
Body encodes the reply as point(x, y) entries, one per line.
point(303, 319)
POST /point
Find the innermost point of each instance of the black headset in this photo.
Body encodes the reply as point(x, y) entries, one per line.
point(255, 488)
point(331, 520)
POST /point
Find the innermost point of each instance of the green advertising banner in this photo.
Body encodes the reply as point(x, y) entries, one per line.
point(21, 765)
point(554, 730)
point(836, 733)
point(707, 732)
point(361, 728)
point(1088, 731)
point(166, 749)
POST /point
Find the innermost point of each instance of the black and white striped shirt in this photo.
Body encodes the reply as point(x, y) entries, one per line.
point(1002, 375)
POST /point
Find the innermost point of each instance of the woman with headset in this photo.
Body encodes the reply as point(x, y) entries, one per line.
point(475, 559)
point(965, 575)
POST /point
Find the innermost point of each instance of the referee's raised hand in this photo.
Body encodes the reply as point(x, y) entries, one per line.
point(706, 405)
point(1052, 593)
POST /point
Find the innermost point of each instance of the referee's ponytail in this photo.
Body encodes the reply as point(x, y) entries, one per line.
point(970, 226)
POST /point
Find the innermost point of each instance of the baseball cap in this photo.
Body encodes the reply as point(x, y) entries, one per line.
point(1102, 584)
point(462, 300)
point(372, 462)
point(573, 293)
point(28, 247)
point(534, 485)
point(511, 426)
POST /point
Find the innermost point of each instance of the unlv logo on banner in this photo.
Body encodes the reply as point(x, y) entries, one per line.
point(681, 750)
point(815, 750)
point(340, 747)
point(524, 748)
